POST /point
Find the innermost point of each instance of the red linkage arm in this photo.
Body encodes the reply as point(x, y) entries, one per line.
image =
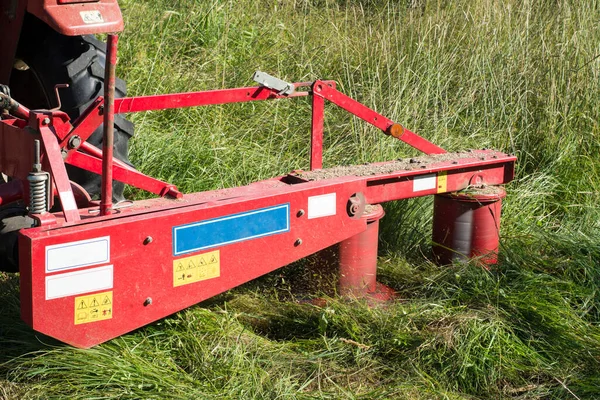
point(322, 89)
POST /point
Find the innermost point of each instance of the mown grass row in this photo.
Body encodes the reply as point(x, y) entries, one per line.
point(519, 76)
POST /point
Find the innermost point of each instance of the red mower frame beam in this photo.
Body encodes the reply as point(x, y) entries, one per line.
point(148, 270)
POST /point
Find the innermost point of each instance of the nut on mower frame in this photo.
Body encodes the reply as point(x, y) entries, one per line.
point(95, 270)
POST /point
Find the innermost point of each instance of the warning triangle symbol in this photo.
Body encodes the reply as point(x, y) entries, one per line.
point(213, 260)
point(180, 267)
point(191, 265)
point(81, 305)
point(202, 262)
point(94, 303)
point(106, 301)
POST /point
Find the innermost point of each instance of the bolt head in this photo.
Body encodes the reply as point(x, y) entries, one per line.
point(354, 205)
point(74, 142)
point(148, 240)
point(46, 121)
point(298, 242)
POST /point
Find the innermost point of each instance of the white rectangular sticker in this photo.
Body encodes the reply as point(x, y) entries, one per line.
point(321, 206)
point(82, 253)
point(72, 283)
point(68, 201)
point(91, 17)
point(425, 182)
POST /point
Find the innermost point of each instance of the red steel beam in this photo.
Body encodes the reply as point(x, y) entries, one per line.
point(88, 121)
point(316, 136)
point(109, 125)
point(204, 98)
point(322, 89)
point(126, 175)
point(59, 173)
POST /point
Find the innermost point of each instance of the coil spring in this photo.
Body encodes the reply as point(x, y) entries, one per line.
point(38, 195)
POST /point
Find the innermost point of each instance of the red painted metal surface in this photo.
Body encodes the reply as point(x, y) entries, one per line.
point(138, 276)
point(125, 174)
point(109, 125)
point(76, 1)
point(21, 112)
point(15, 109)
point(58, 172)
point(97, 153)
point(144, 271)
point(16, 149)
point(204, 98)
point(13, 144)
point(102, 16)
point(357, 258)
point(467, 226)
point(88, 121)
point(316, 137)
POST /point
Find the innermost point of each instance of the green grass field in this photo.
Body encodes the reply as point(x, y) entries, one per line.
point(515, 75)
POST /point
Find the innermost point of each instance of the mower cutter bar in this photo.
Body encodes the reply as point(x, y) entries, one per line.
point(107, 275)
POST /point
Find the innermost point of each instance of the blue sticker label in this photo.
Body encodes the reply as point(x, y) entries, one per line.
point(231, 229)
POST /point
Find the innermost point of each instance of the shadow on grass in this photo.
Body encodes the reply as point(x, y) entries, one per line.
point(17, 339)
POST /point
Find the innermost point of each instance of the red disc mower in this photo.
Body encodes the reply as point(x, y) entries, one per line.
point(94, 266)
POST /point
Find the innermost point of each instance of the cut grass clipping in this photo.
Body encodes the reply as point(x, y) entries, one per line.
point(518, 76)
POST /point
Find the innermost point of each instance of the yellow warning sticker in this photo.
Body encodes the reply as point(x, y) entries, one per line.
point(442, 179)
point(94, 307)
point(196, 268)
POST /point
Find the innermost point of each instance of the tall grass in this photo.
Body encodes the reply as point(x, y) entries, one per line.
point(519, 76)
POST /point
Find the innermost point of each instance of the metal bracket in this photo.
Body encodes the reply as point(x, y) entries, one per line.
point(56, 87)
point(268, 81)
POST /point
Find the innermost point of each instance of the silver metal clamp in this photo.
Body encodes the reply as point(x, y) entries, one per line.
point(268, 81)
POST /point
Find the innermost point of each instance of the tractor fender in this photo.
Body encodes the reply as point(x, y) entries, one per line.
point(67, 17)
point(78, 17)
